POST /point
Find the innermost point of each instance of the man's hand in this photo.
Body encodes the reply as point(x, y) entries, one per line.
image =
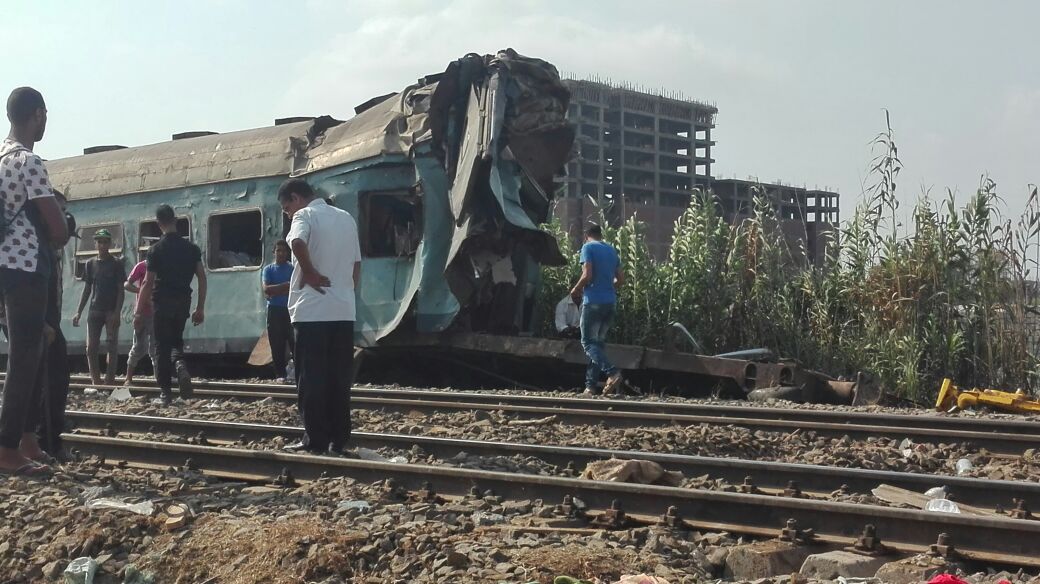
point(576, 295)
point(315, 280)
point(138, 320)
point(75, 320)
point(198, 317)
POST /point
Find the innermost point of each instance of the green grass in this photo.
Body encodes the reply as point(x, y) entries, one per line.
point(948, 294)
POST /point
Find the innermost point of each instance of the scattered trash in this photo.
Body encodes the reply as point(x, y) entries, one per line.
point(80, 571)
point(90, 392)
point(844, 580)
point(942, 506)
point(643, 472)
point(290, 372)
point(569, 580)
point(359, 505)
point(482, 518)
point(937, 492)
point(641, 579)
point(964, 466)
point(946, 579)
point(906, 447)
point(537, 422)
point(176, 516)
point(372, 455)
point(142, 508)
point(120, 394)
point(399, 459)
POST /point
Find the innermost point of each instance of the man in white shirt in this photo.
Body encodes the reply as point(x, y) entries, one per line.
point(326, 272)
point(568, 318)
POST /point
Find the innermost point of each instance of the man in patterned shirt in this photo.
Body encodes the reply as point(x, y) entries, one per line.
point(31, 221)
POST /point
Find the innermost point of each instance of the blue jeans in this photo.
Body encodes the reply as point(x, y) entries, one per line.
point(595, 322)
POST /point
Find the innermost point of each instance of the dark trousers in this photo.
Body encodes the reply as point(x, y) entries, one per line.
point(170, 316)
point(324, 373)
point(280, 335)
point(25, 300)
point(54, 392)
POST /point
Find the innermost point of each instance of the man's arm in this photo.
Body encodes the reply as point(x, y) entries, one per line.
point(131, 286)
point(586, 277)
point(357, 275)
point(309, 275)
point(144, 297)
point(199, 316)
point(619, 278)
point(120, 292)
point(53, 220)
point(88, 285)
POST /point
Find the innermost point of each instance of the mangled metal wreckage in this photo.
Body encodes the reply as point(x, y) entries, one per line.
point(449, 180)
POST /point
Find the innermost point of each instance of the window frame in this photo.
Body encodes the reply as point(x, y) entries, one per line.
point(209, 239)
point(364, 205)
point(77, 274)
point(143, 248)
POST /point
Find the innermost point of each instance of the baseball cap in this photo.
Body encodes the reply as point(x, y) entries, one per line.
point(102, 234)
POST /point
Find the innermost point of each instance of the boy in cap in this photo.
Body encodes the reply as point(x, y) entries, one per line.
point(103, 285)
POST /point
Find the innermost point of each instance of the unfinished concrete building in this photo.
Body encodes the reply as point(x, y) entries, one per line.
point(637, 152)
point(642, 153)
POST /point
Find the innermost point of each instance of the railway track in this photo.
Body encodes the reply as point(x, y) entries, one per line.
point(990, 540)
point(999, 436)
point(772, 477)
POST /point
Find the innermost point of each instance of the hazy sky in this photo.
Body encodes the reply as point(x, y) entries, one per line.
point(800, 85)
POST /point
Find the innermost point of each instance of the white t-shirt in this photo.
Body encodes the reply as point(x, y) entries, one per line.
point(22, 179)
point(331, 236)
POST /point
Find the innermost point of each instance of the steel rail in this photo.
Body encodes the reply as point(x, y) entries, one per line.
point(992, 540)
point(998, 442)
point(922, 421)
point(764, 475)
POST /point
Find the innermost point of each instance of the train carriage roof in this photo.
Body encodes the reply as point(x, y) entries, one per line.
point(392, 126)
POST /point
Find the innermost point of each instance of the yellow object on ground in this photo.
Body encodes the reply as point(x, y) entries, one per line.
point(952, 399)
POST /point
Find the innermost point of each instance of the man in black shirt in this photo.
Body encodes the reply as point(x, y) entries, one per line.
point(172, 262)
point(103, 285)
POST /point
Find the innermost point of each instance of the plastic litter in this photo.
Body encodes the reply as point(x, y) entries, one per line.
point(120, 394)
point(964, 466)
point(641, 579)
point(290, 372)
point(359, 505)
point(142, 508)
point(372, 455)
point(399, 459)
point(942, 506)
point(80, 571)
point(90, 392)
point(906, 447)
point(482, 518)
point(937, 492)
point(946, 579)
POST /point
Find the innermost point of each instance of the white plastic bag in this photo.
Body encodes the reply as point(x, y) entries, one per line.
point(942, 506)
point(120, 394)
point(143, 508)
point(964, 466)
point(80, 571)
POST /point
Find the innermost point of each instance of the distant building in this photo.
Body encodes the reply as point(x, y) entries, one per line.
point(642, 153)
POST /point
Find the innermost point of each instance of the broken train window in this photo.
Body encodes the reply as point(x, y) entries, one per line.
point(149, 233)
point(86, 250)
point(235, 240)
point(391, 223)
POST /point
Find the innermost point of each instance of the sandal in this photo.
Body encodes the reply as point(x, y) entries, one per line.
point(31, 469)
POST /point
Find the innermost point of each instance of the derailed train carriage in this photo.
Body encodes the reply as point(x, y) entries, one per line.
point(450, 174)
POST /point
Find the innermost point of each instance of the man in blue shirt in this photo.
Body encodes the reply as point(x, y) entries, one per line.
point(595, 290)
point(275, 286)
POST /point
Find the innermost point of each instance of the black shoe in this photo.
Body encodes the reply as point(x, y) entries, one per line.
point(184, 381)
point(342, 452)
point(164, 399)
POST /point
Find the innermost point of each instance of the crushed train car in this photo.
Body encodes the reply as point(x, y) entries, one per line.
point(449, 180)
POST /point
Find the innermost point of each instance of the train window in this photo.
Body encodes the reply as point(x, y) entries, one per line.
point(85, 245)
point(235, 240)
point(391, 223)
point(149, 233)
